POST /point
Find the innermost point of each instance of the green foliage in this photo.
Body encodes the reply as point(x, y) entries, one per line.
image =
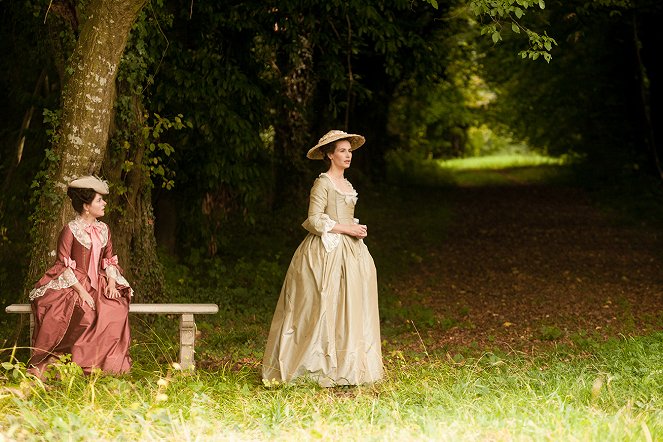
point(229, 78)
point(412, 168)
point(510, 13)
point(550, 333)
point(225, 281)
point(540, 45)
point(14, 369)
point(434, 117)
point(142, 135)
point(46, 198)
point(581, 102)
point(482, 141)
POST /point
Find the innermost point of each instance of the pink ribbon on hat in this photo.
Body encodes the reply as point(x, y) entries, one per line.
point(94, 230)
point(68, 262)
point(109, 262)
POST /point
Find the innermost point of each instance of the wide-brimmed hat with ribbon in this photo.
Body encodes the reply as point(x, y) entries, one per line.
point(334, 135)
point(90, 182)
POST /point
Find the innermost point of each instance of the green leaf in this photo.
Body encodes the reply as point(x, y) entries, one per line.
point(542, 4)
point(518, 12)
point(515, 28)
point(7, 365)
point(496, 37)
point(547, 45)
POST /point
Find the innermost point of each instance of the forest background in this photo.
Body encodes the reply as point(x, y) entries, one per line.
point(200, 113)
point(213, 106)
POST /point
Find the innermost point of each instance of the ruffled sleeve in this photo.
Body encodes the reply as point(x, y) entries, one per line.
point(61, 275)
point(318, 222)
point(110, 264)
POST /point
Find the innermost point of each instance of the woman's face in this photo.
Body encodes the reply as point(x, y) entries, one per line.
point(342, 156)
point(96, 207)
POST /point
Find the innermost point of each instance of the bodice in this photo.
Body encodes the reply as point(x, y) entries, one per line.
point(340, 205)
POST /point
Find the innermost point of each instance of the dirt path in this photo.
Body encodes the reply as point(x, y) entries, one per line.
point(529, 265)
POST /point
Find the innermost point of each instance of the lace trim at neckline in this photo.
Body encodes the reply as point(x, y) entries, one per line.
point(353, 193)
point(79, 219)
point(77, 227)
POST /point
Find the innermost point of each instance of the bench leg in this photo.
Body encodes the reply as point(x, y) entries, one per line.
point(32, 327)
point(187, 341)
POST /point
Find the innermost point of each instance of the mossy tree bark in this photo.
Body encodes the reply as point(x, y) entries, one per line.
point(131, 218)
point(87, 103)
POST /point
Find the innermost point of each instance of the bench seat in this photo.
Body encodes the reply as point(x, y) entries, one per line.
point(187, 322)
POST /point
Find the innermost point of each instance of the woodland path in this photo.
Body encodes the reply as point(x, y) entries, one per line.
point(530, 265)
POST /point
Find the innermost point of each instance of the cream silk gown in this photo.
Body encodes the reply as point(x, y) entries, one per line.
point(326, 326)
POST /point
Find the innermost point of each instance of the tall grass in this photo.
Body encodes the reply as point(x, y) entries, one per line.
point(602, 391)
point(609, 392)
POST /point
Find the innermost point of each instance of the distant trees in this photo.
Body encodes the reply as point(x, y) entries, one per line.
point(252, 83)
point(601, 94)
point(262, 81)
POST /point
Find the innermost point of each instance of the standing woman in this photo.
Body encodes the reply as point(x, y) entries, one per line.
point(81, 304)
point(326, 325)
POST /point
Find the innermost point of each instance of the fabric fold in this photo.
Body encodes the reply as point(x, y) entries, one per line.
point(96, 338)
point(95, 237)
point(326, 323)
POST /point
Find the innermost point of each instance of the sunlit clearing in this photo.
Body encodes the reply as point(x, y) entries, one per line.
point(502, 162)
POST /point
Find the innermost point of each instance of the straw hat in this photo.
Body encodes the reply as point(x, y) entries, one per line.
point(334, 135)
point(90, 182)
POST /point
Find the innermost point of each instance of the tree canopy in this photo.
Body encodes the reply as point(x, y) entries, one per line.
point(215, 103)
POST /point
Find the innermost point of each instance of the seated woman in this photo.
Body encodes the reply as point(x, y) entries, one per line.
point(81, 304)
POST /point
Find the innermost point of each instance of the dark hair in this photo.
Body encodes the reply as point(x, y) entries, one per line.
point(324, 150)
point(80, 197)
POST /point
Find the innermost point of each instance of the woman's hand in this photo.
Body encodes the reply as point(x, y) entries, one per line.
point(86, 298)
point(358, 231)
point(111, 291)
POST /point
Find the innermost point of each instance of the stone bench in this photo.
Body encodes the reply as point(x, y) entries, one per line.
point(187, 322)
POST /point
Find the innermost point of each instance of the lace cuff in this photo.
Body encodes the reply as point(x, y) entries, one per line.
point(65, 280)
point(329, 240)
point(113, 272)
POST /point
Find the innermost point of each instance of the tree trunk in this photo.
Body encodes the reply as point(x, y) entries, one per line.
point(131, 218)
point(645, 99)
point(87, 101)
point(20, 142)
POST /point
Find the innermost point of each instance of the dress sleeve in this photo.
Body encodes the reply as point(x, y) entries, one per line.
point(318, 222)
point(110, 264)
point(61, 275)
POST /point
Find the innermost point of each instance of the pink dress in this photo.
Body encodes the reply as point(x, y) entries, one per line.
point(63, 323)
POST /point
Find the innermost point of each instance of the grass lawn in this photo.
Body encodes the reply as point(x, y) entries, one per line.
point(606, 392)
point(501, 170)
point(592, 389)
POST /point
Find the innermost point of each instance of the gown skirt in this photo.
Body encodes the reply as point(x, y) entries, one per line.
point(326, 326)
point(95, 339)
